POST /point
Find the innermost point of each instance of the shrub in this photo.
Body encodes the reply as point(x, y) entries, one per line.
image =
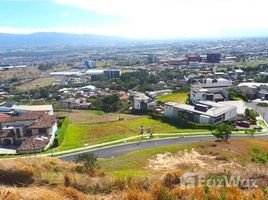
point(258, 156)
point(89, 161)
point(262, 104)
point(161, 193)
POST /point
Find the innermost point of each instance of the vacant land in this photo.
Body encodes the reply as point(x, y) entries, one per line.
point(175, 97)
point(20, 73)
point(37, 83)
point(205, 157)
point(92, 127)
point(154, 174)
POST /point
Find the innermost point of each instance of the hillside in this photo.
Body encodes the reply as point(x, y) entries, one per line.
point(147, 174)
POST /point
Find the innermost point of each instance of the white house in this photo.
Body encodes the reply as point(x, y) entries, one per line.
point(210, 91)
point(143, 103)
point(204, 112)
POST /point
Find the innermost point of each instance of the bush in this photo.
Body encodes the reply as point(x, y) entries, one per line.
point(259, 156)
point(262, 104)
point(89, 161)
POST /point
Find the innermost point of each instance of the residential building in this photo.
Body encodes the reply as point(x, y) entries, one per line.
point(143, 103)
point(73, 103)
point(254, 90)
point(89, 64)
point(158, 93)
point(204, 112)
point(11, 108)
point(210, 91)
point(112, 73)
point(19, 130)
point(20, 109)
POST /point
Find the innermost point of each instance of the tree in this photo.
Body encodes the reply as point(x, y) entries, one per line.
point(89, 161)
point(223, 132)
point(251, 114)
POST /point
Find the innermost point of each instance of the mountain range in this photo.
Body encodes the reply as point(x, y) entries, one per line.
point(58, 39)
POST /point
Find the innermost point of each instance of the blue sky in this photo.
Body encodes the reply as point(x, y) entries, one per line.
point(137, 18)
point(47, 14)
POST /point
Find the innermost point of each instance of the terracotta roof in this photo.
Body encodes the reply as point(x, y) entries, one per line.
point(45, 121)
point(34, 143)
point(4, 117)
point(26, 116)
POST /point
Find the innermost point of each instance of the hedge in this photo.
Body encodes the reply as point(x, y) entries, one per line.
point(63, 129)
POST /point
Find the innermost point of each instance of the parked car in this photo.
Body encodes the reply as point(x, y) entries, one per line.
point(243, 124)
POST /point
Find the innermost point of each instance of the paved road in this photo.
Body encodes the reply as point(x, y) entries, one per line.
point(118, 150)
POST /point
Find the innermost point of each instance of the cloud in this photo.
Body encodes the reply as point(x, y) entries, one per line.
point(64, 14)
point(179, 18)
point(155, 19)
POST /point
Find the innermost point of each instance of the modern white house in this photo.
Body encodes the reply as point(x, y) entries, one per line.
point(210, 91)
point(204, 112)
point(143, 103)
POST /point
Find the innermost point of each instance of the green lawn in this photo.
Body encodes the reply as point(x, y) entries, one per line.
point(96, 128)
point(175, 97)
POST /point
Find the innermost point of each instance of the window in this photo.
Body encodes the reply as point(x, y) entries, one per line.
point(18, 133)
point(42, 131)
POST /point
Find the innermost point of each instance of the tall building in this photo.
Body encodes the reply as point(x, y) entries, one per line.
point(89, 64)
point(112, 73)
point(152, 59)
point(213, 58)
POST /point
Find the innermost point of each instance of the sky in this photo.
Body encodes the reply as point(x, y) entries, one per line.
point(150, 19)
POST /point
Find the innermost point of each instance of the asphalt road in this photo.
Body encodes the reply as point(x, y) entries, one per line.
point(110, 152)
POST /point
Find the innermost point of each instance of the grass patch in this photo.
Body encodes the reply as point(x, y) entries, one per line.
point(175, 97)
point(79, 135)
point(96, 112)
point(36, 83)
point(130, 163)
point(239, 151)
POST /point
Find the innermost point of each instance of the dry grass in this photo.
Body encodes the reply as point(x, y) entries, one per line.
point(21, 73)
point(50, 178)
point(41, 193)
point(37, 83)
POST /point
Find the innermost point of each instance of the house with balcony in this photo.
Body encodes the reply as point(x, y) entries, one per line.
point(35, 126)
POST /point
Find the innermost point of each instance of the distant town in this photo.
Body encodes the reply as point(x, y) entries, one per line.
point(194, 86)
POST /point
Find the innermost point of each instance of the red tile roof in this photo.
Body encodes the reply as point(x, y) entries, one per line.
point(33, 143)
point(4, 117)
point(45, 121)
point(26, 116)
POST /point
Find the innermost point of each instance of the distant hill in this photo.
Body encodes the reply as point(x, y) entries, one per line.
point(58, 39)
